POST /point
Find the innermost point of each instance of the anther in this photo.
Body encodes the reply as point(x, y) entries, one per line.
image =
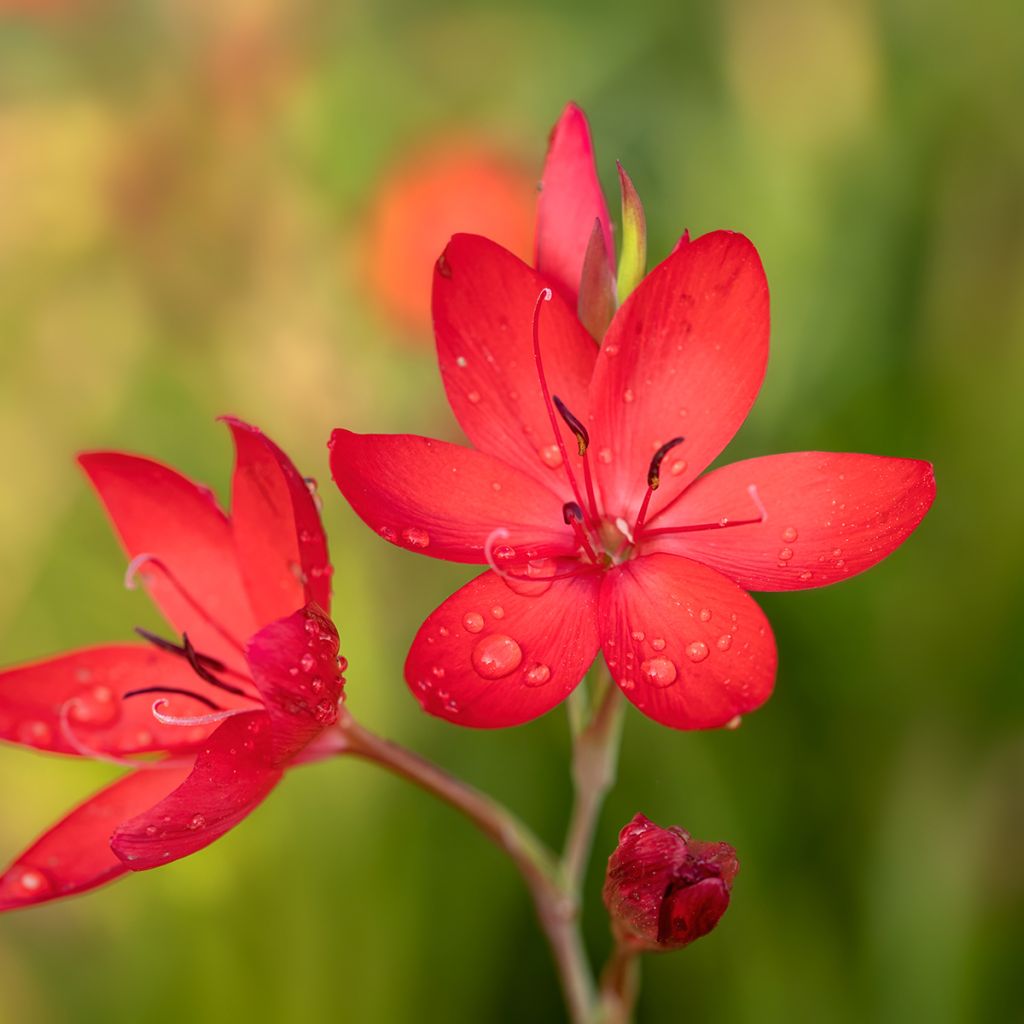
point(653, 474)
point(201, 664)
point(573, 516)
point(582, 437)
point(571, 511)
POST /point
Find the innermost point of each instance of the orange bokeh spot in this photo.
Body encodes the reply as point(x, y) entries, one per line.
point(428, 197)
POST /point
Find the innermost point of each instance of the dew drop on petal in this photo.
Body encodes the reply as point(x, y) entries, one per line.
point(496, 655)
point(473, 621)
point(498, 612)
point(443, 631)
point(474, 397)
point(697, 651)
point(307, 662)
point(461, 362)
point(34, 733)
point(789, 534)
point(678, 467)
point(724, 642)
point(31, 882)
point(658, 643)
point(805, 576)
point(785, 554)
point(605, 455)
point(326, 712)
point(659, 672)
point(538, 675)
point(415, 537)
point(551, 456)
point(197, 822)
point(627, 395)
point(388, 534)
point(705, 615)
point(638, 635)
point(733, 723)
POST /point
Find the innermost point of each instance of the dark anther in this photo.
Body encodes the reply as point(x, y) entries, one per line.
point(202, 664)
point(582, 437)
point(174, 689)
point(571, 511)
point(653, 479)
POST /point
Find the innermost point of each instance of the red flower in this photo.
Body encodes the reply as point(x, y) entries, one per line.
point(584, 493)
point(247, 692)
point(664, 889)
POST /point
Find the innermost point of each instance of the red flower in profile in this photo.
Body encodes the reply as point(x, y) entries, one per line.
point(456, 186)
point(247, 692)
point(584, 492)
point(664, 889)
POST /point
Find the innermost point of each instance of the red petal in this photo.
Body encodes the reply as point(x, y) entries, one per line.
point(441, 499)
point(484, 301)
point(569, 203)
point(231, 776)
point(685, 355)
point(75, 855)
point(829, 516)
point(294, 663)
point(94, 681)
point(282, 550)
point(157, 511)
point(686, 645)
point(490, 657)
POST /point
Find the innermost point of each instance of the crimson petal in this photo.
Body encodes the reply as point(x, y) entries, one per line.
point(157, 511)
point(484, 302)
point(442, 499)
point(231, 777)
point(570, 204)
point(75, 854)
point(685, 644)
point(685, 355)
point(74, 703)
point(490, 657)
point(828, 516)
point(282, 550)
point(294, 664)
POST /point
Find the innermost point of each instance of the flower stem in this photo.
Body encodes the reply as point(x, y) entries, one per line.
point(556, 908)
point(620, 984)
point(594, 763)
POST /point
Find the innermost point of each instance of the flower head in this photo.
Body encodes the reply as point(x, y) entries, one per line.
point(584, 491)
point(246, 692)
point(664, 889)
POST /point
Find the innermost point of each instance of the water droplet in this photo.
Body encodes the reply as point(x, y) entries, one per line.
point(697, 651)
point(659, 672)
point(473, 622)
point(388, 534)
point(627, 395)
point(612, 350)
point(151, 830)
point(678, 467)
point(658, 643)
point(415, 537)
point(496, 486)
point(444, 268)
point(605, 455)
point(789, 534)
point(443, 631)
point(197, 822)
point(705, 615)
point(724, 642)
point(538, 675)
point(496, 655)
point(836, 552)
point(638, 635)
point(805, 576)
point(840, 563)
point(733, 723)
point(682, 412)
point(498, 612)
point(326, 712)
point(551, 456)
point(474, 397)
point(31, 881)
point(34, 733)
point(307, 662)
point(461, 361)
point(626, 683)
point(785, 554)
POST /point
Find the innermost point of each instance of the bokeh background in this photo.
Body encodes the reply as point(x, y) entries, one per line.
point(233, 207)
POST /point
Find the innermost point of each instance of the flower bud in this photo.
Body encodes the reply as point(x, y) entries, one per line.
point(664, 889)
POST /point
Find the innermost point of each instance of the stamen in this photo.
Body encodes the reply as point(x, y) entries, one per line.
point(723, 524)
point(172, 648)
point(174, 689)
point(573, 516)
point(200, 663)
point(501, 534)
point(195, 660)
point(82, 748)
point(582, 444)
point(545, 296)
point(146, 558)
point(218, 716)
point(654, 480)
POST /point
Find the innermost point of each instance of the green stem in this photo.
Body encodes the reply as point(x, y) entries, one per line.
point(556, 908)
point(620, 984)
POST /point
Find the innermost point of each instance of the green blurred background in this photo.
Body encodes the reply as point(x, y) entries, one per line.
point(186, 197)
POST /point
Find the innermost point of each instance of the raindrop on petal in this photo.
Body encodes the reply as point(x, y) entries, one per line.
point(496, 655)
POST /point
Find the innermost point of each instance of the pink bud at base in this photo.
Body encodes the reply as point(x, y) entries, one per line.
point(664, 889)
